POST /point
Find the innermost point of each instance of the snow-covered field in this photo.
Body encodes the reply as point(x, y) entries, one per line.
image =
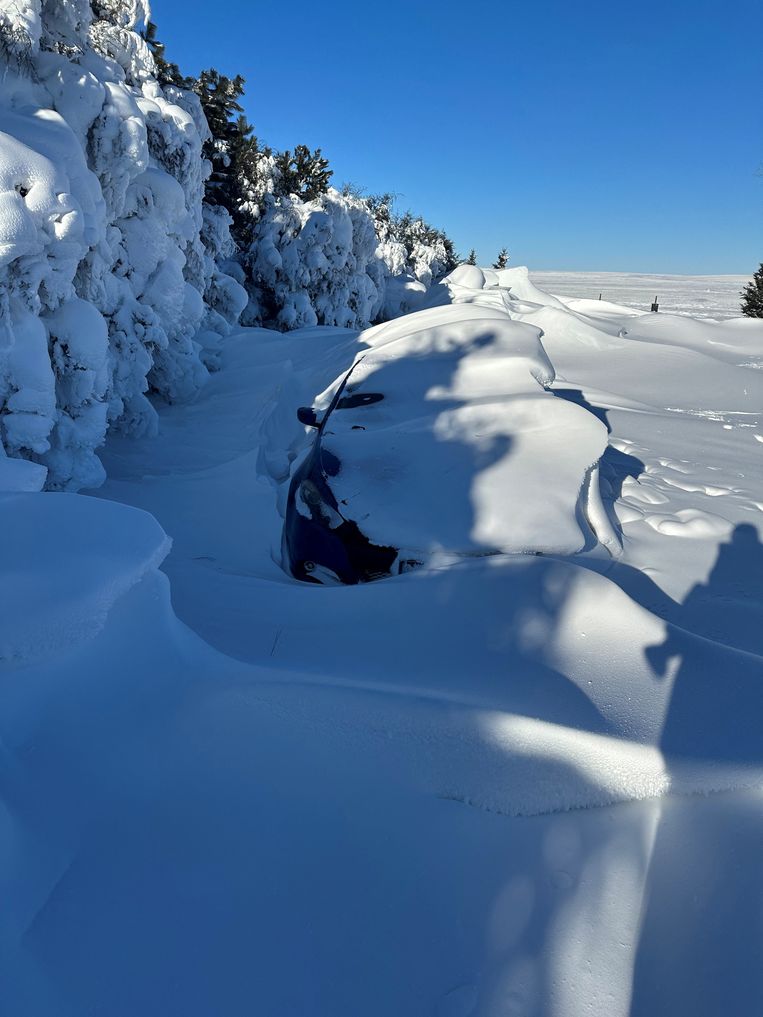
point(506, 783)
point(701, 296)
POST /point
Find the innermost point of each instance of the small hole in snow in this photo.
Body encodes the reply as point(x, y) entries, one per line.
point(23, 191)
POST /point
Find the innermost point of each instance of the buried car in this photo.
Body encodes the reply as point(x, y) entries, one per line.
point(443, 441)
point(319, 544)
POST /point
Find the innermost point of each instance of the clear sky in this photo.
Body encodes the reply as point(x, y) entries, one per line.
point(595, 136)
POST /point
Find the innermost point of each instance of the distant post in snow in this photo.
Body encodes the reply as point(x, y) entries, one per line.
point(600, 296)
point(655, 305)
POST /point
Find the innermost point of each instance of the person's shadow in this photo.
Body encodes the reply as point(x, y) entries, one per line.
point(699, 950)
point(716, 705)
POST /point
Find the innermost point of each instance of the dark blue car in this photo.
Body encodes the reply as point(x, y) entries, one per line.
point(319, 545)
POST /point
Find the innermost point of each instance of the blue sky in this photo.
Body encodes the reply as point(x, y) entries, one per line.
point(599, 136)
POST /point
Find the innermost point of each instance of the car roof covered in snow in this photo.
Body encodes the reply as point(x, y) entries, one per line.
point(468, 452)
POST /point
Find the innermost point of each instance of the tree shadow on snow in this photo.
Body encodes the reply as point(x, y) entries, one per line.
point(416, 387)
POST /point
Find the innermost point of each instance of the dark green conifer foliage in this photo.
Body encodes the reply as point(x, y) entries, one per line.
point(472, 259)
point(219, 97)
point(246, 154)
point(303, 172)
point(452, 258)
point(166, 73)
point(752, 296)
point(502, 260)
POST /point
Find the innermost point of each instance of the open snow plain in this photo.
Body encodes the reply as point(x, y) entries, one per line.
point(504, 783)
point(700, 296)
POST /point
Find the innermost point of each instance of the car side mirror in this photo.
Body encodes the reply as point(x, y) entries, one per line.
point(306, 415)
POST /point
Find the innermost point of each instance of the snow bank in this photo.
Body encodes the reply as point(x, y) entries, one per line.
point(509, 775)
point(67, 560)
point(104, 276)
point(735, 341)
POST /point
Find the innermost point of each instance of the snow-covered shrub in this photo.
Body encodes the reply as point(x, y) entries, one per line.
point(309, 263)
point(408, 245)
point(339, 259)
point(105, 274)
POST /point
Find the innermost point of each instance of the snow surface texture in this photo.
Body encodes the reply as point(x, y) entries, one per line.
point(700, 296)
point(108, 277)
point(512, 784)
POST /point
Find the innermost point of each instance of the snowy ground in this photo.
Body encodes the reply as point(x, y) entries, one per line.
point(516, 784)
point(701, 296)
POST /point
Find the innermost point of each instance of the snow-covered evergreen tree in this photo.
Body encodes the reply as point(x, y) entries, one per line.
point(105, 279)
point(302, 173)
point(121, 182)
point(167, 73)
point(313, 262)
point(409, 244)
point(502, 260)
point(219, 97)
point(752, 296)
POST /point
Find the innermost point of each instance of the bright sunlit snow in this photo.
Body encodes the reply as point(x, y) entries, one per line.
point(522, 774)
point(704, 296)
point(507, 780)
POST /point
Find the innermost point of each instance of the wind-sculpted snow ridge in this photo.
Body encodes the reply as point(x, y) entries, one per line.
point(108, 281)
point(67, 560)
point(531, 783)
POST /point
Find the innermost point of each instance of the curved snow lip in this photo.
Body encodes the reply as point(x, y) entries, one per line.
point(66, 560)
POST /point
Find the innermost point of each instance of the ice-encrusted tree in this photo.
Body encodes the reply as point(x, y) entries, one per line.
point(752, 296)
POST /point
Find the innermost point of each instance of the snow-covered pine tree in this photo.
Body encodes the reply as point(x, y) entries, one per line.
point(472, 259)
point(16, 40)
point(380, 206)
point(409, 244)
point(502, 260)
point(254, 168)
point(108, 289)
point(303, 173)
point(219, 97)
point(166, 73)
point(752, 296)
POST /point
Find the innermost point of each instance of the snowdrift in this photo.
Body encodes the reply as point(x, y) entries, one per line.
point(468, 451)
point(528, 781)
